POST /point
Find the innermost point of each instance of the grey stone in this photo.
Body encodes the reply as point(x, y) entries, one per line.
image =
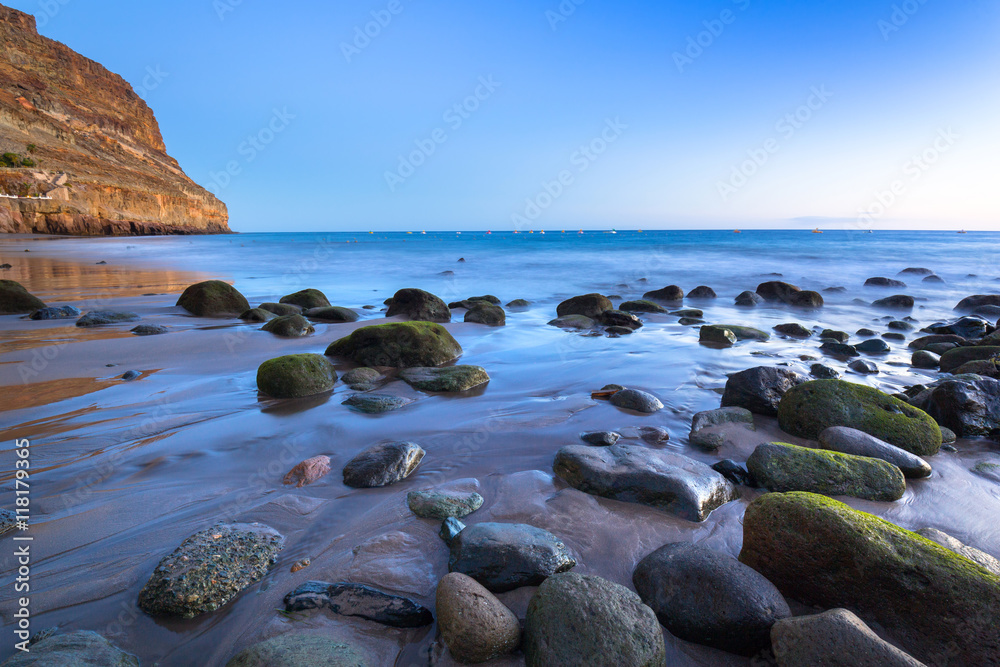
point(440, 505)
point(374, 404)
point(298, 649)
point(720, 416)
point(863, 366)
point(505, 556)
point(573, 322)
point(97, 318)
point(852, 441)
point(382, 465)
point(351, 599)
point(474, 624)
point(62, 313)
point(972, 553)
point(601, 438)
point(75, 649)
point(836, 638)
point(636, 400)
point(760, 389)
point(149, 330)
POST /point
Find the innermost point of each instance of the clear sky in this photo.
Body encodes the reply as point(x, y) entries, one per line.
point(584, 114)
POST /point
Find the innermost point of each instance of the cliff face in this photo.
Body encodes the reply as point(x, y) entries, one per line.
point(80, 135)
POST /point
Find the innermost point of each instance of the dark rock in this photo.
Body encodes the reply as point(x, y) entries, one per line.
point(749, 299)
point(746, 333)
point(63, 313)
point(295, 376)
point(332, 314)
point(966, 327)
point(837, 336)
point(989, 312)
point(98, 318)
point(361, 376)
point(636, 400)
point(839, 289)
point(588, 305)
point(933, 279)
point(806, 299)
point(669, 293)
point(894, 336)
point(519, 304)
point(735, 473)
point(702, 292)
point(213, 298)
point(149, 330)
point(618, 318)
point(257, 315)
point(298, 649)
point(916, 271)
point(760, 389)
point(873, 346)
point(896, 302)
point(307, 299)
point(977, 301)
point(483, 312)
point(715, 335)
point(416, 304)
point(382, 465)
point(289, 326)
point(858, 443)
point(654, 435)
point(573, 322)
point(690, 321)
point(865, 333)
point(131, 375)
point(348, 599)
point(688, 312)
point(835, 637)
point(990, 471)
point(839, 350)
point(505, 556)
point(601, 438)
point(793, 329)
point(777, 291)
point(14, 299)
point(398, 345)
point(281, 309)
point(722, 416)
point(821, 372)
point(475, 626)
point(8, 520)
point(968, 405)
point(439, 505)
point(884, 282)
point(925, 359)
point(450, 528)
point(618, 332)
point(923, 343)
point(641, 306)
point(863, 366)
point(375, 404)
point(900, 325)
point(953, 359)
point(448, 379)
point(75, 649)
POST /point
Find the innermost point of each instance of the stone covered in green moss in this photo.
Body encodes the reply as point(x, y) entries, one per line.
point(213, 298)
point(295, 376)
point(257, 315)
point(14, 298)
point(289, 326)
point(778, 466)
point(450, 379)
point(332, 314)
point(712, 334)
point(953, 359)
point(398, 345)
point(746, 333)
point(642, 306)
point(306, 299)
point(941, 607)
point(812, 407)
point(484, 312)
point(281, 309)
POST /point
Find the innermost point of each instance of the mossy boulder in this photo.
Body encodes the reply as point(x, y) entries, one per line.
point(953, 359)
point(295, 376)
point(257, 315)
point(715, 335)
point(213, 298)
point(398, 345)
point(281, 309)
point(418, 305)
point(670, 293)
point(306, 299)
point(298, 649)
point(778, 466)
point(747, 333)
point(642, 306)
point(289, 326)
point(941, 607)
point(450, 379)
point(484, 312)
point(14, 299)
point(332, 314)
point(812, 407)
point(588, 305)
point(776, 290)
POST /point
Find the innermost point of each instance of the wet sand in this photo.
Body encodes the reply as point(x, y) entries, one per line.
point(124, 471)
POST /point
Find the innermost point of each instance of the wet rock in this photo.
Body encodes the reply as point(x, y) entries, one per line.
point(332, 314)
point(690, 321)
point(295, 376)
point(858, 443)
point(8, 520)
point(601, 438)
point(896, 302)
point(990, 312)
point(760, 389)
point(950, 543)
point(641, 306)
point(688, 313)
point(213, 298)
point(573, 322)
point(588, 305)
point(735, 473)
point(778, 466)
point(806, 299)
point(839, 289)
point(894, 336)
point(74, 649)
point(916, 271)
point(669, 293)
point(968, 405)
point(375, 404)
point(382, 465)
point(257, 315)
point(654, 435)
point(925, 359)
point(953, 359)
point(289, 326)
point(821, 372)
point(709, 598)
point(837, 336)
point(298, 649)
point(810, 408)
point(450, 528)
point(62, 313)
point(98, 318)
point(702, 292)
point(210, 568)
point(149, 330)
point(629, 473)
point(14, 299)
point(936, 339)
point(350, 599)
point(474, 624)
point(309, 471)
point(131, 375)
point(618, 318)
point(965, 327)
point(440, 505)
point(281, 309)
point(576, 619)
point(793, 329)
point(839, 350)
point(715, 335)
point(4, 267)
point(618, 332)
point(721, 416)
point(863, 366)
point(884, 282)
point(836, 638)
point(865, 333)
point(505, 556)
point(706, 440)
point(947, 435)
point(519, 304)
point(307, 299)
point(486, 313)
point(449, 379)
point(900, 325)
point(747, 333)
point(933, 279)
point(361, 375)
point(987, 368)
point(932, 601)
point(398, 345)
point(777, 291)
point(749, 299)
point(416, 304)
point(978, 301)
point(636, 400)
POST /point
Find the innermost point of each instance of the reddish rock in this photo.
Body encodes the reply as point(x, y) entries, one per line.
point(308, 471)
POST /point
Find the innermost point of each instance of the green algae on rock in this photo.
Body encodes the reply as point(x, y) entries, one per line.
point(746, 333)
point(398, 345)
point(713, 334)
point(306, 299)
point(449, 379)
point(440, 505)
point(953, 359)
point(15, 299)
point(812, 407)
point(295, 376)
point(289, 326)
point(213, 298)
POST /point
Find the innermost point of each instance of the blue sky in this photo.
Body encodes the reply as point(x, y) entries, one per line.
point(668, 114)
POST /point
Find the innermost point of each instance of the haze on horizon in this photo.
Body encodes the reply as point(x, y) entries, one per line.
point(572, 114)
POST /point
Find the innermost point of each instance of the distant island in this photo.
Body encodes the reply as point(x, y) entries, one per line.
point(81, 153)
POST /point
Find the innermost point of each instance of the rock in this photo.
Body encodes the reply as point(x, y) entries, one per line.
point(968, 405)
point(793, 329)
point(900, 325)
point(821, 372)
point(361, 376)
point(641, 306)
point(8, 521)
point(505, 556)
point(746, 333)
point(306, 299)
point(309, 471)
point(864, 367)
point(893, 336)
point(988, 470)
point(896, 302)
point(960, 356)
point(573, 322)
point(933, 279)
point(14, 299)
point(97, 318)
point(925, 359)
point(749, 299)
point(702, 292)
point(449, 379)
point(281, 309)
point(576, 619)
point(210, 568)
point(821, 552)
point(950, 543)
point(439, 505)
point(689, 313)
point(63, 313)
point(947, 435)
point(213, 298)
point(75, 649)
point(706, 440)
point(926, 341)
point(916, 271)
point(865, 333)
point(709, 598)
point(5, 266)
point(588, 305)
point(290, 326)
point(734, 472)
point(654, 435)
point(295, 376)
point(629, 473)
point(978, 301)
point(669, 293)
point(884, 282)
point(149, 330)
point(375, 404)
point(350, 599)
point(601, 438)
point(810, 408)
point(486, 313)
point(298, 649)
point(777, 291)
point(987, 368)
point(965, 327)
point(475, 626)
point(858, 443)
point(990, 312)
point(332, 314)
point(382, 465)
point(838, 336)
point(618, 318)
point(131, 375)
point(729, 415)
point(416, 304)
point(715, 335)
point(836, 638)
point(639, 401)
point(398, 345)
point(778, 466)
point(257, 315)
point(519, 304)
point(839, 289)
point(839, 350)
point(450, 528)
point(760, 389)
point(806, 299)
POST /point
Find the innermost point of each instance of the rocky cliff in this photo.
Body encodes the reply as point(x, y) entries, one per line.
point(77, 133)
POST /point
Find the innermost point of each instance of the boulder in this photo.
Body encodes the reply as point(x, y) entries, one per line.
point(306, 299)
point(307, 472)
point(747, 333)
point(925, 359)
point(519, 304)
point(213, 298)
point(720, 416)
point(574, 322)
point(577, 619)
point(148, 330)
point(630, 473)
point(601, 438)
point(281, 309)
point(925, 341)
point(858, 443)
point(588, 305)
point(806, 299)
point(669, 293)
point(900, 325)
point(209, 569)
point(778, 466)
point(863, 367)
point(777, 291)
point(884, 282)
point(642, 306)
point(835, 638)
point(940, 607)
point(100, 318)
point(637, 401)
point(794, 330)
point(953, 359)
point(382, 465)
point(375, 404)
point(62, 313)
point(715, 335)
point(74, 649)
point(298, 649)
point(895, 302)
point(15, 299)
point(295, 376)
point(289, 326)
point(416, 304)
point(709, 598)
point(734, 472)
point(978, 301)
point(987, 368)
point(932, 279)
point(916, 271)
point(505, 556)
point(965, 327)
point(969, 405)
point(760, 389)
point(810, 408)
point(257, 315)
point(359, 600)
point(474, 624)
point(447, 379)
point(823, 372)
point(749, 299)
point(332, 314)
point(398, 345)
point(950, 543)
point(688, 313)
point(838, 336)
point(483, 312)
point(439, 505)
point(619, 318)
point(989, 470)
point(702, 292)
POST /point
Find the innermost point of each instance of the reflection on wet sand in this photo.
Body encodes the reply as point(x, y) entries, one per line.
point(45, 393)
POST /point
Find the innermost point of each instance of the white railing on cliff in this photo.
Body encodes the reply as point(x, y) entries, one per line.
point(3, 196)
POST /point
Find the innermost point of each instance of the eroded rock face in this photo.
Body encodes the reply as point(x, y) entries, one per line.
point(505, 556)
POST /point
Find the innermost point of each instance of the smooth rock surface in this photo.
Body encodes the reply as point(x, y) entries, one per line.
point(74, 649)
point(505, 556)
point(448, 379)
point(398, 345)
point(352, 599)
point(858, 443)
point(760, 389)
point(298, 649)
point(836, 638)
point(474, 624)
point(383, 464)
point(295, 376)
point(416, 304)
point(636, 400)
point(213, 298)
